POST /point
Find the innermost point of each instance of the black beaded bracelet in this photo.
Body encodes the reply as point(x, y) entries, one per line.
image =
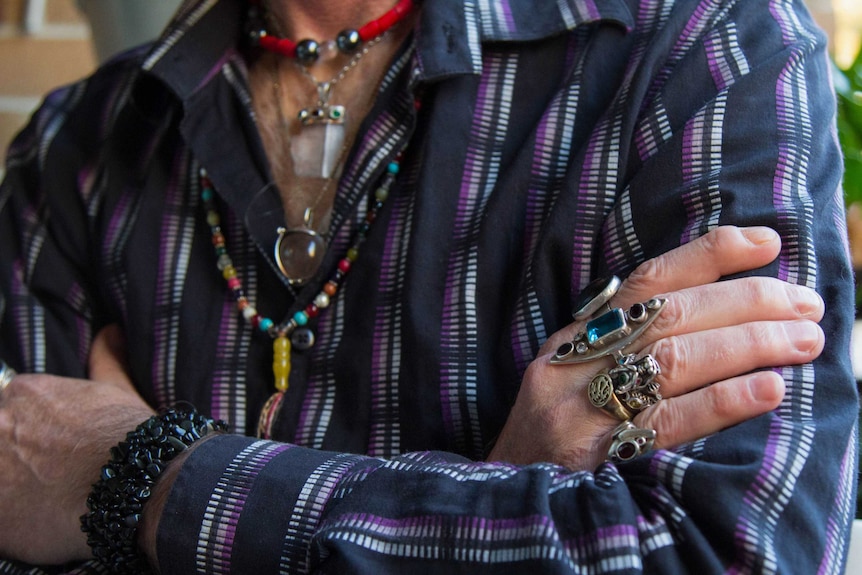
point(118, 498)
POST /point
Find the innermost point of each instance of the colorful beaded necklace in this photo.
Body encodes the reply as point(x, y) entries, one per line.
point(348, 41)
point(281, 333)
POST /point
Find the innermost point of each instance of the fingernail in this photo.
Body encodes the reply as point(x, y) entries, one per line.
point(766, 387)
point(804, 334)
point(759, 235)
point(807, 300)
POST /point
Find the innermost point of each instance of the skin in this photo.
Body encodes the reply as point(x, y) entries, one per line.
point(51, 453)
point(708, 339)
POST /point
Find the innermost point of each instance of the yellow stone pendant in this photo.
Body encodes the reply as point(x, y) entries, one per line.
point(281, 362)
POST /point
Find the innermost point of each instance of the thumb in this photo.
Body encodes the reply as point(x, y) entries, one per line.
point(108, 361)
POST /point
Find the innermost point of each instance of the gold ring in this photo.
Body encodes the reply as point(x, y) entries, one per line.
point(602, 395)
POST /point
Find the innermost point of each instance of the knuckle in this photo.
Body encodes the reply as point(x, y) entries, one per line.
point(672, 356)
point(722, 399)
point(674, 314)
point(540, 381)
point(32, 385)
point(720, 239)
point(762, 334)
point(532, 376)
point(760, 292)
point(668, 420)
point(23, 385)
point(640, 281)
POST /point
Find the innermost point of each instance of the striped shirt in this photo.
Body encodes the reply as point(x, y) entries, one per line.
point(557, 141)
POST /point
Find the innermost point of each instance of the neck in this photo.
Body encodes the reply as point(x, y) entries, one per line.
point(323, 19)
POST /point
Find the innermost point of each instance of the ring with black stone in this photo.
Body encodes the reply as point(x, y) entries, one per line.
point(598, 293)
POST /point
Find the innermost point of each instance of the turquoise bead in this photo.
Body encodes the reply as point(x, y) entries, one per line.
point(207, 194)
point(300, 317)
point(393, 168)
point(266, 324)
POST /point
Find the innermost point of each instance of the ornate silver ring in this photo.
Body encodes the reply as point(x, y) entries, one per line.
point(627, 388)
point(610, 332)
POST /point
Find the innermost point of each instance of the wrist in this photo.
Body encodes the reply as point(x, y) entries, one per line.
point(127, 483)
point(152, 511)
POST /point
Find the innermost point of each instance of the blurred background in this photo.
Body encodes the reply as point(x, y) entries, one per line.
point(46, 43)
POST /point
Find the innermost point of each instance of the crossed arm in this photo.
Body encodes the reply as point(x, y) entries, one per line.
point(711, 341)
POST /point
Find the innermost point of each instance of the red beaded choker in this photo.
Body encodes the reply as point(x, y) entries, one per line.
point(348, 41)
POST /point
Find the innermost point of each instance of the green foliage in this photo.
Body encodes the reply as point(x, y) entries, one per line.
point(848, 86)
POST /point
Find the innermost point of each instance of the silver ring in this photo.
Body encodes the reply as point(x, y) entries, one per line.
point(630, 441)
point(598, 293)
point(609, 333)
point(6, 375)
point(627, 388)
point(634, 382)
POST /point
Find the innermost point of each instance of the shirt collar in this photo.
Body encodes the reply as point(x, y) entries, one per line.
point(451, 32)
point(205, 33)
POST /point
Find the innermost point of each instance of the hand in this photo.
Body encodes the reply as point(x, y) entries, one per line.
point(707, 340)
point(55, 434)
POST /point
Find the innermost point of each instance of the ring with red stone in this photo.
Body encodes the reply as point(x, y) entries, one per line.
point(629, 441)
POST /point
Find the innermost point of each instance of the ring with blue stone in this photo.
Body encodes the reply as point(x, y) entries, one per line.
point(610, 332)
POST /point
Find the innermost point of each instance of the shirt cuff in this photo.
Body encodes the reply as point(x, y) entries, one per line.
point(244, 501)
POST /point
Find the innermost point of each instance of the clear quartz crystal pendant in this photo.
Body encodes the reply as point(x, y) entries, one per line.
point(299, 251)
point(317, 148)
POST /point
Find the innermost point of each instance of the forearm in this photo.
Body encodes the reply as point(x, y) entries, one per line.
point(258, 506)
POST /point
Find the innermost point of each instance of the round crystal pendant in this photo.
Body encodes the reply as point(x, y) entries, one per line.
point(299, 252)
